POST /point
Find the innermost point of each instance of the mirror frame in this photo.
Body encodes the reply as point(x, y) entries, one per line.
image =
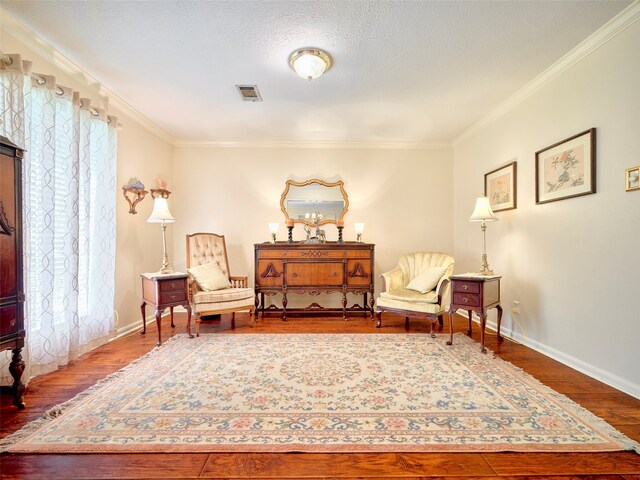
point(292, 183)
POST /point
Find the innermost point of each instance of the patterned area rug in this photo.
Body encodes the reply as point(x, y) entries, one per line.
point(318, 393)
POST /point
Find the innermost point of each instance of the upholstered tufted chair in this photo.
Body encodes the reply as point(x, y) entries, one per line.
point(206, 248)
point(396, 298)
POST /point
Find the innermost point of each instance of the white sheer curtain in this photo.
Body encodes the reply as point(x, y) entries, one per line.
point(69, 216)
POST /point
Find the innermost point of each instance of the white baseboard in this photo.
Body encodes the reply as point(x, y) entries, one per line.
point(132, 327)
point(594, 372)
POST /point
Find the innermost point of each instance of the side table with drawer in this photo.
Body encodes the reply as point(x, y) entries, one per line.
point(164, 290)
point(475, 293)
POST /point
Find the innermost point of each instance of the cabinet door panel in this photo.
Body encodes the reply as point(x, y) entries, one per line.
point(359, 272)
point(8, 319)
point(269, 273)
point(8, 238)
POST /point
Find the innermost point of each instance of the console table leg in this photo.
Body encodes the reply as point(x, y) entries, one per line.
point(257, 305)
point(483, 323)
point(364, 305)
point(171, 312)
point(284, 306)
point(144, 318)
point(158, 324)
point(470, 331)
point(344, 305)
point(16, 368)
point(500, 339)
point(262, 302)
point(371, 302)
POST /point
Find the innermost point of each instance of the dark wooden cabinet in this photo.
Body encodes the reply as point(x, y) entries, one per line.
point(329, 267)
point(11, 275)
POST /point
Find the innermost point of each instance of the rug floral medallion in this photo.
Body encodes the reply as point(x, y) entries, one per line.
point(318, 393)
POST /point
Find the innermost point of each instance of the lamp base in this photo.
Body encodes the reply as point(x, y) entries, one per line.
point(166, 270)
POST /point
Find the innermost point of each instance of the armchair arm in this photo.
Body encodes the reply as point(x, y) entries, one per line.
point(239, 282)
point(192, 287)
point(443, 292)
point(392, 280)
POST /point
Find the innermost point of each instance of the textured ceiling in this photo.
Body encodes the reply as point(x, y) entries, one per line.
point(415, 71)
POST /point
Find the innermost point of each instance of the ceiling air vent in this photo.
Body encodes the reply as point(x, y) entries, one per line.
point(249, 93)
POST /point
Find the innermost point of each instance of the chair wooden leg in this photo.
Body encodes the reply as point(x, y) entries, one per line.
point(441, 320)
point(406, 324)
point(197, 324)
point(433, 324)
point(378, 318)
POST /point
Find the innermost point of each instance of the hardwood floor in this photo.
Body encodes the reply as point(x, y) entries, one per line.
point(619, 409)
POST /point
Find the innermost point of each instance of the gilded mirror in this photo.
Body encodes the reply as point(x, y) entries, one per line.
point(300, 200)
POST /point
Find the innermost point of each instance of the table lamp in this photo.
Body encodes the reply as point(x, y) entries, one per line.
point(162, 215)
point(483, 213)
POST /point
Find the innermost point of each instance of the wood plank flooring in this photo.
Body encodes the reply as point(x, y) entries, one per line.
point(617, 408)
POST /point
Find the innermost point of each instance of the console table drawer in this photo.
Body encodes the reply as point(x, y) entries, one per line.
point(173, 296)
point(310, 274)
point(177, 284)
point(470, 299)
point(319, 254)
point(466, 287)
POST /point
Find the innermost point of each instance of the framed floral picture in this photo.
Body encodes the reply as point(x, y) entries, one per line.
point(632, 179)
point(567, 169)
point(500, 185)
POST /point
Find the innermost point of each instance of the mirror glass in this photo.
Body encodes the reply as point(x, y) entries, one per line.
point(300, 200)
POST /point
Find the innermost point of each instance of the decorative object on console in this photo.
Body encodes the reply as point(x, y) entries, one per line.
point(340, 225)
point(501, 187)
point(632, 179)
point(162, 215)
point(567, 169)
point(359, 228)
point(398, 294)
point(136, 188)
point(309, 63)
point(314, 219)
point(483, 213)
point(273, 230)
point(289, 230)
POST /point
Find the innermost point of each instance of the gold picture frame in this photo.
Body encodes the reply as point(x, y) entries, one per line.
point(632, 179)
point(501, 187)
point(567, 169)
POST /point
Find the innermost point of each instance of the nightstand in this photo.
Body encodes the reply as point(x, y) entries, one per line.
point(164, 291)
point(475, 293)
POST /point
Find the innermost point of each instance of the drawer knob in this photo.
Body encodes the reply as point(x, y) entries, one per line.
point(173, 285)
point(173, 297)
point(465, 287)
point(465, 300)
point(295, 274)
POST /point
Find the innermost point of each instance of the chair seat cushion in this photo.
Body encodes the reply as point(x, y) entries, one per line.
point(224, 295)
point(411, 296)
point(427, 308)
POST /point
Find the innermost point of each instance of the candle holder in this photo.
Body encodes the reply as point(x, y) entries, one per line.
point(290, 234)
point(340, 234)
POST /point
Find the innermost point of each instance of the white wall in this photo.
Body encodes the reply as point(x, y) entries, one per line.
point(572, 264)
point(141, 153)
point(403, 196)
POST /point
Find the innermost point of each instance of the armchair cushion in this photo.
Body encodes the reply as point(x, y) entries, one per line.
point(426, 280)
point(223, 295)
point(411, 296)
point(209, 276)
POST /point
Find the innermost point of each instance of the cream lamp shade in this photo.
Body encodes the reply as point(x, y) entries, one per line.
point(359, 228)
point(160, 213)
point(483, 211)
point(309, 63)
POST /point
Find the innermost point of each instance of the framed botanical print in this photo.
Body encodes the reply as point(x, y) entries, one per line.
point(567, 169)
point(632, 179)
point(500, 186)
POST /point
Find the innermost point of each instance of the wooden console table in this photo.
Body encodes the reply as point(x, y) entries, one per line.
point(329, 267)
point(164, 290)
point(475, 293)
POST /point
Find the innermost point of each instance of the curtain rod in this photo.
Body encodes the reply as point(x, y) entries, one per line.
point(41, 81)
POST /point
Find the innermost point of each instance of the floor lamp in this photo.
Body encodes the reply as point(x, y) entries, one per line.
point(162, 215)
point(483, 213)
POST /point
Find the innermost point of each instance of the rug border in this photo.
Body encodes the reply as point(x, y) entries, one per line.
point(12, 442)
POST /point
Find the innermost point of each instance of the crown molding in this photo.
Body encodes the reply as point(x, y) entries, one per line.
point(44, 49)
point(377, 145)
point(597, 39)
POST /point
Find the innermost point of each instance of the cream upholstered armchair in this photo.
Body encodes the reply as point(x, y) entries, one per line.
point(418, 287)
point(225, 294)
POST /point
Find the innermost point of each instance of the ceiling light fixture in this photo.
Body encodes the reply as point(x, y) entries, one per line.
point(309, 63)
